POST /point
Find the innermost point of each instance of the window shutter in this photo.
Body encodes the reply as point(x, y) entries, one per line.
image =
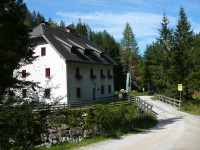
point(43, 51)
point(47, 72)
point(23, 73)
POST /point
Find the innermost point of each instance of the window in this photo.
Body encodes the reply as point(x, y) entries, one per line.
point(24, 93)
point(101, 72)
point(102, 89)
point(108, 72)
point(23, 73)
point(91, 71)
point(78, 92)
point(47, 93)
point(43, 51)
point(47, 72)
point(77, 71)
point(109, 89)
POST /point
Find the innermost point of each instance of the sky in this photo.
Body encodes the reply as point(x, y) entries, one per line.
point(144, 16)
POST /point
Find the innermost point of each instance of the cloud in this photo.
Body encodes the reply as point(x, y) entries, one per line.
point(143, 24)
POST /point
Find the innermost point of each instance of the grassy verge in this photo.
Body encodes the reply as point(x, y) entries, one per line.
point(191, 108)
point(153, 98)
point(125, 130)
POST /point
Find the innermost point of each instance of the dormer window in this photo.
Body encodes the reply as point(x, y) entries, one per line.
point(43, 51)
point(73, 50)
point(87, 52)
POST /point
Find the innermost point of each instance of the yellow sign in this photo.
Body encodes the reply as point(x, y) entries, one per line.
point(179, 87)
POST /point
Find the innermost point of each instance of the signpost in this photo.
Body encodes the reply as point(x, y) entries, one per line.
point(127, 82)
point(180, 89)
point(143, 90)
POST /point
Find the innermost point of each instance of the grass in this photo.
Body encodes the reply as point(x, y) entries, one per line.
point(115, 134)
point(153, 98)
point(192, 107)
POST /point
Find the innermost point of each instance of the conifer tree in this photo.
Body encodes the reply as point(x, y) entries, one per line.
point(164, 42)
point(129, 53)
point(34, 19)
point(62, 25)
point(181, 59)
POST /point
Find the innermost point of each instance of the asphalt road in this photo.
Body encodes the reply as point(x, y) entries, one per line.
point(175, 131)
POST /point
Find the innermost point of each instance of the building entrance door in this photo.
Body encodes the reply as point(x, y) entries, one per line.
point(94, 93)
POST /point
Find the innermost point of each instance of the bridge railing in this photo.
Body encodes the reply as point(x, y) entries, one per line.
point(168, 100)
point(142, 105)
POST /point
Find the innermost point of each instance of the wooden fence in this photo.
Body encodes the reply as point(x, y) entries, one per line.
point(168, 100)
point(80, 104)
point(141, 104)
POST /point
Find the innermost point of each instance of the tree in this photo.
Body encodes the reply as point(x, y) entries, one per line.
point(34, 19)
point(62, 25)
point(164, 42)
point(81, 29)
point(16, 123)
point(15, 50)
point(129, 54)
point(181, 59)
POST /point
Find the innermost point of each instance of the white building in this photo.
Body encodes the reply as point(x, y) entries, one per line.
point(81, 69)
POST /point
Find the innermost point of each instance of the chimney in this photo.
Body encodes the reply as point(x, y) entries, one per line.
point(69, 30)
point(45, 23)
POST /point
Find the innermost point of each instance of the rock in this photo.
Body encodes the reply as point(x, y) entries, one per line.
point(84, 115)
point(80, 138)
point(95, 128)
point(91, 131)
point(64, 127)
point(53, 136)
point(63, 133)
point(76, 131)
point(63, 139)
point(55, 142)
point(86, 133)
point(75, 139)
point(68, 138)
point(50, 140)
point(44, 137)
point(47, 144)
point(52, 130)
point(81, 121)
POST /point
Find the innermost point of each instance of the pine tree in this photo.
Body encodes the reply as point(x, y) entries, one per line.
point(181, 60)
point(129, 53)
point(38, 19)
point(34, 19)
point(62, 25)
point(164, 42)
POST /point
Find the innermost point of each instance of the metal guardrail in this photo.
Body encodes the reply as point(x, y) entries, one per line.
point(168, 100)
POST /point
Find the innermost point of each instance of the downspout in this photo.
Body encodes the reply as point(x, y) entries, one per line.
point(67, 84)
point(113, 81)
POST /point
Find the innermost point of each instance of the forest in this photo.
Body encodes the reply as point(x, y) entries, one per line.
point(171, 60)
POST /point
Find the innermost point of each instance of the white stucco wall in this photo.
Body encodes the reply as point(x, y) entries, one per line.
point(57, 71)
point(86, 83)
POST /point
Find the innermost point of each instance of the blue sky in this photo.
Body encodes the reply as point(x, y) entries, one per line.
point(144, 16)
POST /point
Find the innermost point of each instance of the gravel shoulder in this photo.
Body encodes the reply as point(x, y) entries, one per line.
point(175, 131)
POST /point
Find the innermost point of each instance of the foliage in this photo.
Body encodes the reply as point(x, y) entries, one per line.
point(173, 59)
point(15, 48)
point(129, 56)
point(181, 59)
point(19, 127)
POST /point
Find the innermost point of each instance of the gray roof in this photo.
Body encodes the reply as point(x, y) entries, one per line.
point(63, 42)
